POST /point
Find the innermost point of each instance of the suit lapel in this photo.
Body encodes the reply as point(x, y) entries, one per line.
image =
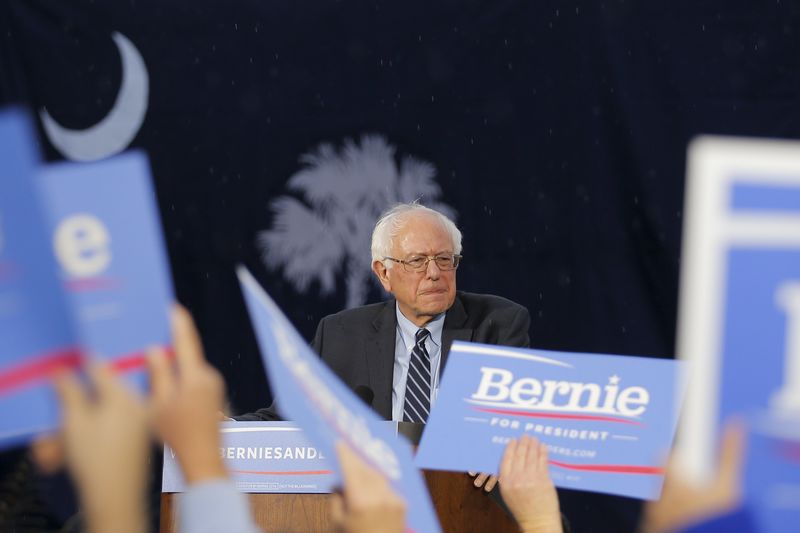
point(455, 328)
point(380, 345)
point(379, 348)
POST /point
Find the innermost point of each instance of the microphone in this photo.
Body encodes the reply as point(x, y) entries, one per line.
point(365, 393)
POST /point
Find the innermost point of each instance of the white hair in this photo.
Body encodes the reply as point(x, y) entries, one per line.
point(392, 221)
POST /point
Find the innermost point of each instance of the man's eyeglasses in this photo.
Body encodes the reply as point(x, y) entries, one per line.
point(419, 263)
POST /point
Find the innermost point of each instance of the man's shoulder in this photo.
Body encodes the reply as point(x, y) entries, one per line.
point(358, 315)
point(489, 302)
point(493, 319)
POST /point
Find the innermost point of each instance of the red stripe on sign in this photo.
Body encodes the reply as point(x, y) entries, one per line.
point(7, 270)
point(92, 284)
point(616, 469)
point(790, 452)
point(287, 473)
point(554, 415)
point(44, 367)
point(39, 368)
point(134, 361)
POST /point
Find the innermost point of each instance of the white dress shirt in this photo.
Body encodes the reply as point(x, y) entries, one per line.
point(404, 342)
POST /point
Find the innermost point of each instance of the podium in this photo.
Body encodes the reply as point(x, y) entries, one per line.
point(460, 506)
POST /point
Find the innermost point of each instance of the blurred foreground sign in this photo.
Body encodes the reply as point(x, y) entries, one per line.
point(739, 320)
point(311, 394)
point(83, 270)
point(105, 230)
point(36, 335)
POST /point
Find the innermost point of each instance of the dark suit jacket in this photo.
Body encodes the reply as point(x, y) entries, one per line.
point(359, 344)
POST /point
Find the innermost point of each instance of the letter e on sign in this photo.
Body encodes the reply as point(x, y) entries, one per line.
point(81, 245)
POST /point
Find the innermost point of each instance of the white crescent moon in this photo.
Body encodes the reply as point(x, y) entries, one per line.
point(118, 128)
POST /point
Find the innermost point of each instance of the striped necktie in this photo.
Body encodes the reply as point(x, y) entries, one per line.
point(418, 384)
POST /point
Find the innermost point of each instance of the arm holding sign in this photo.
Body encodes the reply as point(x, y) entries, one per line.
point(527, 488)
point(368, 503)
point(683, 505)
point(185, 402)
point(185, 408)
point(105, 438)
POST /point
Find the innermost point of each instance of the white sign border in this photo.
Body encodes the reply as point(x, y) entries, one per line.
point(710, 227)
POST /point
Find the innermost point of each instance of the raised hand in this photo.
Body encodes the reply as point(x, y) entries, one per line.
point(526, 486)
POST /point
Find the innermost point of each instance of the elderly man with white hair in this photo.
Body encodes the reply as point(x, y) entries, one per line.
point(397, 348)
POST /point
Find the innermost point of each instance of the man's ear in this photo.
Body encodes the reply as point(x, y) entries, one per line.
point(383, 275)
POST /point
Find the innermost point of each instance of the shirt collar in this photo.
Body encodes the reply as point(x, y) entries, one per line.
point(409, 330)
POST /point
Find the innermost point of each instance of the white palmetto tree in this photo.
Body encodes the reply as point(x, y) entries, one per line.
point(324, 235)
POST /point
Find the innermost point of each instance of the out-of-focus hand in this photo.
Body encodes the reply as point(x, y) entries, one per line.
point(683, 504)
point(487, 481)
point(106, 439)
point(368, 503)
point(186, 402)
point(526, 486)
point(47, 453)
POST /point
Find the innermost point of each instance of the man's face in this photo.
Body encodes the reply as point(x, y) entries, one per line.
point(420, 295)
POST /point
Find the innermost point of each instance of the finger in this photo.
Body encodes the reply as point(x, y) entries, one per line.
point(353, 468)
point(507, 462)
point(673, 467)
point(480, 480)
point(361, 482)
point(521, 452)
point(472, 474)
point(337, 511)
point(47, 453)
point(543, 460)
point(162, 380)
point(490, 483)
point(102, 379)
point(532, 453)
point(70, 392)
point(731, 454)
point(188, 348)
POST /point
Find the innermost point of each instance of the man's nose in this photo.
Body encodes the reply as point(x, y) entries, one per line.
point(432, 271)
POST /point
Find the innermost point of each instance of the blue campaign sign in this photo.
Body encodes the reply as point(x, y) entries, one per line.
point(607, 420)
point(739, 317)
point(264, 457)
point(772, 473)
point(107, 239)
point(317, 401)
point(36, 335)
point(763, 294)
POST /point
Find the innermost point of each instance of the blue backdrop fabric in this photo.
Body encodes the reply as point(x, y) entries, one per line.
point(554, 132)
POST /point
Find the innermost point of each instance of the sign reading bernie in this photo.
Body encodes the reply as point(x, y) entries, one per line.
point(607, 420)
